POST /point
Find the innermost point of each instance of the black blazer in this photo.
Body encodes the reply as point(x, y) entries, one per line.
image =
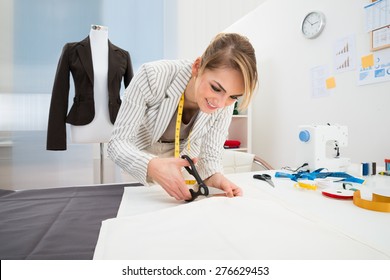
point(76, 58)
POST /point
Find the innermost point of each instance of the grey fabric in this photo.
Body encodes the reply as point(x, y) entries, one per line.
point(59, 223)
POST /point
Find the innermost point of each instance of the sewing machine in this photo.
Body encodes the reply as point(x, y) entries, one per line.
point(319, 146)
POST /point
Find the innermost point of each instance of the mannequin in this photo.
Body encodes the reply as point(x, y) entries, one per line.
point(97, 67)
point(99, 130)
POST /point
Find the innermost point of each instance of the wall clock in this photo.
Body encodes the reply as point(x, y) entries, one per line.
point(313, 24)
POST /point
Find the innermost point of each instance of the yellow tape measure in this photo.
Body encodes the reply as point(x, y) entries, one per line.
point(378, 203)
point(177, 132)
point(305, 185)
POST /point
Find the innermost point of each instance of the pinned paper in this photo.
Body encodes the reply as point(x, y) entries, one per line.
point(318, 75)
point(374, 68)
point(368, 61)
point(330, 83)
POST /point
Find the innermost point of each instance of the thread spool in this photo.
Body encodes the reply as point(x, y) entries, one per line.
point(339, 194)
point(387, 164)
point(365, 169)
point(373, 168)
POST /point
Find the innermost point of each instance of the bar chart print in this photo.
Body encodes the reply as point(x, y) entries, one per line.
point(344, 54)
point(344, 49)
point(344, 65)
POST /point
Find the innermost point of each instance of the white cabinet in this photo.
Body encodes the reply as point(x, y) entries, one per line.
point(241, 129)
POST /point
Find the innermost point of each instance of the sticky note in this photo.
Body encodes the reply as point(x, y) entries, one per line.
point(367, 60)
point(330, 82)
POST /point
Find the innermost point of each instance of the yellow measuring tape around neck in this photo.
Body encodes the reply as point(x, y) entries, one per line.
point(178, 124)
point(378, 203)
point(177, 132)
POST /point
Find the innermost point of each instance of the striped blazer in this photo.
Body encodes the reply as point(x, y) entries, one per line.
point(148, 105)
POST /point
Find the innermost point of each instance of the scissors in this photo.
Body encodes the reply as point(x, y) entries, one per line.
point(264, 177)
point(203, 189)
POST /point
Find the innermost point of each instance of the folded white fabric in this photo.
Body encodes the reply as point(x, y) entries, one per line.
point(221, 228)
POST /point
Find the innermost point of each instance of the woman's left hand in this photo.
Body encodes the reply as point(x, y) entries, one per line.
point(221, 182)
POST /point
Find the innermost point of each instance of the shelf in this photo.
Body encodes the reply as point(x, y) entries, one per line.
point(238, 149)
point(240, 129)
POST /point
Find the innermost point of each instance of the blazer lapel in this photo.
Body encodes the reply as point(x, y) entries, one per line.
point(170, 103)
point(164, 115)
point(85, 54)
point(113, 62)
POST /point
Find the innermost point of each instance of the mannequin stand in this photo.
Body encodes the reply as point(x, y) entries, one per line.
point(103, 168)
point(101, 163)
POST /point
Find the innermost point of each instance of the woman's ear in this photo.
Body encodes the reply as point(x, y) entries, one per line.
point(196, 66)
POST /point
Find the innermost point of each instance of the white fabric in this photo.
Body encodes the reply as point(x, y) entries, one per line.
point(140, 200)
point(370, 227)
point(223, 228)
point(265, 218)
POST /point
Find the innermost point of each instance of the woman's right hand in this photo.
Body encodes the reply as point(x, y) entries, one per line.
point(167, 173)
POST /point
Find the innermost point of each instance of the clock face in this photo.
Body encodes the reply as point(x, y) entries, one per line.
point(313, 24)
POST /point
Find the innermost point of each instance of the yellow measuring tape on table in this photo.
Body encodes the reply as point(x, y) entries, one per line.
point(378, 203)
point(177, 132)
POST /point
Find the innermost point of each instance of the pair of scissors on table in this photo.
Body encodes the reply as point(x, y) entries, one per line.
point(203, 189)
point(265, 177)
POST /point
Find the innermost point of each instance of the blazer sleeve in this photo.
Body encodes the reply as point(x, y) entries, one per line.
point(56, 130)
point(129, 71)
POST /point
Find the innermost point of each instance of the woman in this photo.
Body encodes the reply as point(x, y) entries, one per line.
point(143, 139)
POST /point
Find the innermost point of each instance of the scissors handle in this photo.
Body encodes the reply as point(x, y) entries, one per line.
point(263, 177)
point(203, 189)
point(192, 169)
point(194, 195)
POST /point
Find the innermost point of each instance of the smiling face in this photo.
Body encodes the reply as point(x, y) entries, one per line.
point(217, 88)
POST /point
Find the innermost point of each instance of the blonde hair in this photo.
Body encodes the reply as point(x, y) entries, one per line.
point(232, 50)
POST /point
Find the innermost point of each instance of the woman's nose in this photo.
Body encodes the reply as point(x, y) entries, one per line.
point(221, 100)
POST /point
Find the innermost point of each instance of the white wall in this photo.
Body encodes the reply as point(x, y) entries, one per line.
point(284, 99)
point(194, 23)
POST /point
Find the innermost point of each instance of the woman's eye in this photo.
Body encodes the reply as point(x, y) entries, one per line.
point(216, 89)
point(235, 97)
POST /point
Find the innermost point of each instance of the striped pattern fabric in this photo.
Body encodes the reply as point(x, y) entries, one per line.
point(148, 105)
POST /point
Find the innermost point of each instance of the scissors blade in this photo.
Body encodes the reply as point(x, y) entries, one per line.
point(271, 183)
point(265, 177)
point(212, 192)
point(216, 192)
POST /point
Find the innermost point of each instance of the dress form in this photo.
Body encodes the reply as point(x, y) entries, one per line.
point(99, 130)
